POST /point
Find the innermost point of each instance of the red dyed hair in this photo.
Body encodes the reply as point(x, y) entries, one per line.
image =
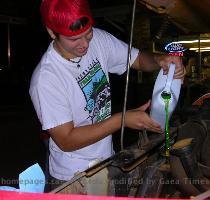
point(60, 15)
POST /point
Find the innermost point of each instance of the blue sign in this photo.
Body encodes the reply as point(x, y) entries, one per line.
point(175, 47)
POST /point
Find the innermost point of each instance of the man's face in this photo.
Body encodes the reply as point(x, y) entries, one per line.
point(76, 46)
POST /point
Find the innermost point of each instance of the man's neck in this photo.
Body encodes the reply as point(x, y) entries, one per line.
point(60, 50)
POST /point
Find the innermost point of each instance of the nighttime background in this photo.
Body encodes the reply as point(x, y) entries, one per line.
point(20, 143)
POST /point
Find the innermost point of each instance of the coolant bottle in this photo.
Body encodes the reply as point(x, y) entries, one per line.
point(165, 93)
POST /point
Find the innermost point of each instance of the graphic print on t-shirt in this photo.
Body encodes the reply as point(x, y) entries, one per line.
point(96, 89)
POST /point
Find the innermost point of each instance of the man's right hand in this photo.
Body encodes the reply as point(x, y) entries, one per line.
point(139, 119)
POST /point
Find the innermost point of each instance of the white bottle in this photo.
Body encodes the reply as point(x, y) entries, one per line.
point(164, 84)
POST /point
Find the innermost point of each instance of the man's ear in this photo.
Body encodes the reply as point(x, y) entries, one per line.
point(51, 33)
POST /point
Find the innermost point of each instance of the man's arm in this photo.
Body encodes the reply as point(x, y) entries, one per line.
point(70, 138)
point(148, 62)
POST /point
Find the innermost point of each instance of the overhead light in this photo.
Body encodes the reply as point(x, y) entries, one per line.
point(190, 41)
point(201, 48)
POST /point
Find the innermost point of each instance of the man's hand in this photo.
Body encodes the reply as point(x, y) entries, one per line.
point(139, 119)
point(149, 62)
point(165, 60)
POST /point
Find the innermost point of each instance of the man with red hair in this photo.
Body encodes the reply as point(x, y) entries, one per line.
point(70, 87)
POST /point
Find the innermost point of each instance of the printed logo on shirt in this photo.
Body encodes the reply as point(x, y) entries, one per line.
point(96, 89)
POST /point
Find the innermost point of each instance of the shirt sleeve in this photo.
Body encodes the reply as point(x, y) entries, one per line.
point(49, 101)
point(115, 52)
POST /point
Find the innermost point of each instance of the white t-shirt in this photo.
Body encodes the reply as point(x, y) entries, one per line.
point(61, 92)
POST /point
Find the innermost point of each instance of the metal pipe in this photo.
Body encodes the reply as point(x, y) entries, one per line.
point(199, 57)
point(8, 46)
point(128, 73)
point(163, 27)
